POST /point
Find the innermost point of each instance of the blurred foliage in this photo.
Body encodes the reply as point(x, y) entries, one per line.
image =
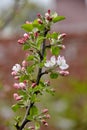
point(18, 12)
point(68, 107)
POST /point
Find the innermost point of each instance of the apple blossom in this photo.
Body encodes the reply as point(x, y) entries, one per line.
point(16, 68)
point(51, 63)
point(61, 62)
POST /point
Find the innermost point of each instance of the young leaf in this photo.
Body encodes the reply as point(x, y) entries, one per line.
point(27, 27)
point(33, 111)
point(26, 46)
point(15, 107)
point(37, 125)
point(58, 18)
point(53, 75)
point(55, 50)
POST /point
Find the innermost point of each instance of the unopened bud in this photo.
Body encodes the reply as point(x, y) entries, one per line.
point(26, 35)
point(27, 22)
point(61, 46)
point(49, 11)
point(39, 15)
point(39, 21)
point(16, 77)
point(45, 111)
point(16, 85)
point(22, 85)
point(33, 85)
point(64, 73)
point(36, 34)
point(24, 63)
point(17, 97)
point(61, 36)
point(48, 116)
point(14, 73)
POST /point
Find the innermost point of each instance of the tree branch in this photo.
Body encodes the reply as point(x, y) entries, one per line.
point(25, 120)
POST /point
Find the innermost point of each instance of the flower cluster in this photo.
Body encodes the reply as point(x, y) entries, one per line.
point(59, 62)
point(29, 82)
point(23, 39)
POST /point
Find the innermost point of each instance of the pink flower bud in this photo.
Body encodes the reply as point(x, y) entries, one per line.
point(46, 124)
point(61, 36)
point(48, 116)
point(33, 85)
point(27, 54)
point(39, 21)
point(64, 73)
point(13, 73)
point(26, 36)
point(45, 111)
point(36, 34)
point(22, 85)
point(39, 15)
point(16, 85)
point(31, 127)
point(16, 77)
point(47, 15)
point(23, 68)
point(61, 46)
point(49, 11)
point(27, 22)
point(21, 41)
point(17, 97)
point(24, 63)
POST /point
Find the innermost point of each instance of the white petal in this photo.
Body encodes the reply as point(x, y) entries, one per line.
point(64, 66)
point(16, 67)
point(53, 60)
point(47, 64)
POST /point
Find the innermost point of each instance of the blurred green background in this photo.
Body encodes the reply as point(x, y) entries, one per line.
point(68, 107)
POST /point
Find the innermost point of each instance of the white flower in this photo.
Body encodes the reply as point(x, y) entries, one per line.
point(16, 68)
point(51, 62)
point(61, 62)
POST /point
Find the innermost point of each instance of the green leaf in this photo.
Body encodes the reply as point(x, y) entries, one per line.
point(15, 107)
point(30, 57)
point(27, 27)
point(54, 35)
point(33, 111)
point(29, 117)
point(26, 46)
point(50, 91)
point(24, 77)
point(37, 125)
point(35, 23)
point(55, 50)
point(58, 18)
point(53, 75)
point(33, 98)
point(30, 68)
